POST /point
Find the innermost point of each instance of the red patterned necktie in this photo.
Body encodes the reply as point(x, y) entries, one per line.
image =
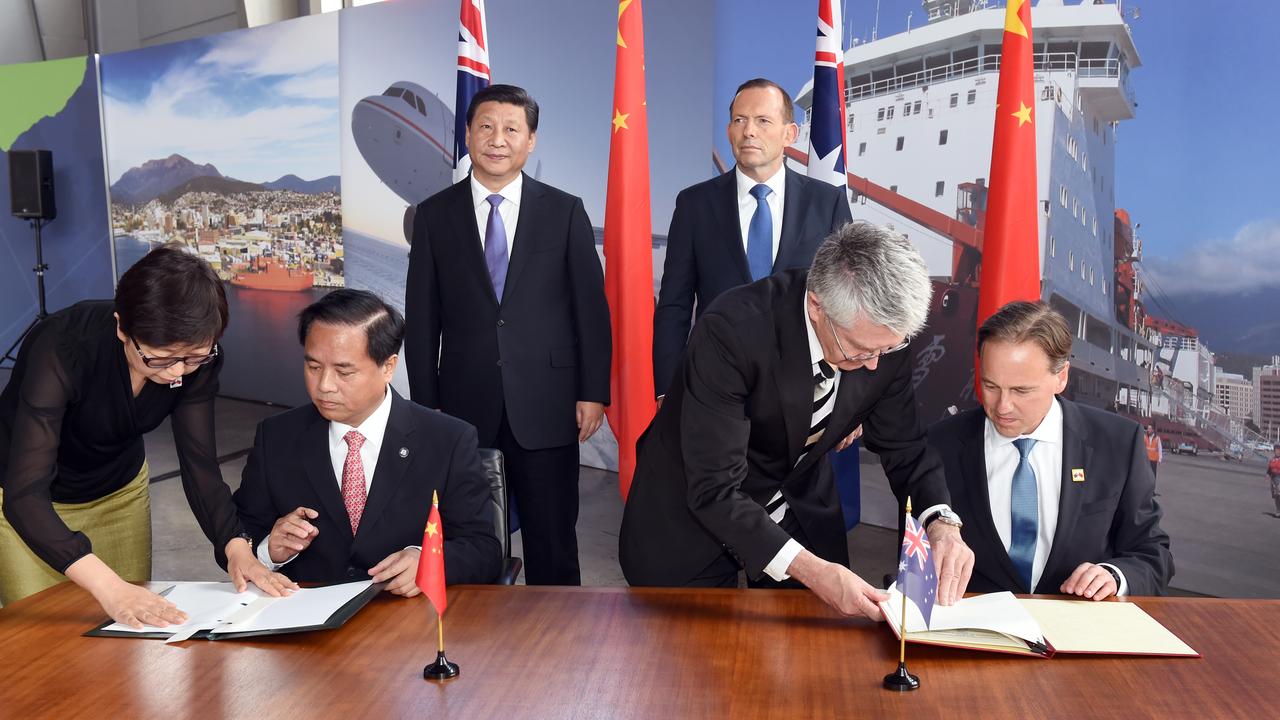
point(353, 492)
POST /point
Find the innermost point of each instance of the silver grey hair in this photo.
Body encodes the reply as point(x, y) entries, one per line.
point(871, 272)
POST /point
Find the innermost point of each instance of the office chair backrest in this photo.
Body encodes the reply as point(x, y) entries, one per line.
point(495, 472)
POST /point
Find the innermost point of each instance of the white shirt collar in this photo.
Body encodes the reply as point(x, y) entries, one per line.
point(510, 192)
point(1049, 430)
point(777, 182)
point(815, 347)
point(373, 427)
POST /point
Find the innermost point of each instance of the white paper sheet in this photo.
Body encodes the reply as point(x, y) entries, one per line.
point(304, 608)
point(998, 612)
point(217, 607)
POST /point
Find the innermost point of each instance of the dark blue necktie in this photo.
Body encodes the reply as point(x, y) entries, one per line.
point(1024, 512)
point(495, 246)
point(760, 235)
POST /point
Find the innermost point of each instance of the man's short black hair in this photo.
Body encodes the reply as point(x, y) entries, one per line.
point(510, 95)
point(383, 325)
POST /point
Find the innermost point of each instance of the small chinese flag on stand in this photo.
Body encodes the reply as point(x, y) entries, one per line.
point(430, 578)
point(430, 581)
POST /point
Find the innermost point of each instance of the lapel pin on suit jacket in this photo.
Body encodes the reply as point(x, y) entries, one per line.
point(1077, 475)
point(404, 452)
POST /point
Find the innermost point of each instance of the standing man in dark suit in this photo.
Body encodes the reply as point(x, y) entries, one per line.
point(340, 489)
point(757, 219)
point(508, 326)
point(1057, 497)
point(728, 472)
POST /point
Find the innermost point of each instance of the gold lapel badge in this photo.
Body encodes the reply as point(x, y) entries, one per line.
point(1077, 474)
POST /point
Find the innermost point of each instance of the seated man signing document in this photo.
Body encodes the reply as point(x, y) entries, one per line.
point(339, 490)
point(1057, 496)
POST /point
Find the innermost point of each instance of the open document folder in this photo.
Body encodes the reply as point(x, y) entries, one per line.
point(1000, 622)
point(215, 611)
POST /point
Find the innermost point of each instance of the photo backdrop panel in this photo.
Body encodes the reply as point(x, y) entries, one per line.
point(53, 106)
point(1156, 225)
point(396, 154)
point(228, 144)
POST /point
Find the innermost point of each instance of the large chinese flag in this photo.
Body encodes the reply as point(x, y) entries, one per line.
point(628, 241)
point(1011, 246)
point(430, 578)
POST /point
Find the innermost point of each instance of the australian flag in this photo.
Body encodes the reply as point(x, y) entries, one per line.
point(826, 127)
point(917, 579)
point(473, 75)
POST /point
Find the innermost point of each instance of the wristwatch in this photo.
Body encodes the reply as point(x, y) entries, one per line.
point(945, 515)
point(1114, 575)
point(247, 538)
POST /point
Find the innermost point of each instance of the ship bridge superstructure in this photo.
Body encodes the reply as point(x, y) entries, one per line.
point(919, 118)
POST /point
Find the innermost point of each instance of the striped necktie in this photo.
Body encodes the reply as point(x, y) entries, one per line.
point(824, 399)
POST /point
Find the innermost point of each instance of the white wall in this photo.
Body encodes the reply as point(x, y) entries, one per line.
point(18, 41)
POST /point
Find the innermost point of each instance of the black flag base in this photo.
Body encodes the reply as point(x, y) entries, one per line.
point(441, 669)
point(902, 681)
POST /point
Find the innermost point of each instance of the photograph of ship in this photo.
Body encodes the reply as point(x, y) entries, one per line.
point(229, 146)
point(1165, 288)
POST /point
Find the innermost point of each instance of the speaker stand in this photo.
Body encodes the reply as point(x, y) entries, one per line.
point(9, 357)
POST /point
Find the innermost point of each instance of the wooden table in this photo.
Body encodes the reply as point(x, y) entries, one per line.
point(616, 653)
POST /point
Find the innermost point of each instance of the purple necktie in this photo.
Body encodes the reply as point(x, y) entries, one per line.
point(495, 246)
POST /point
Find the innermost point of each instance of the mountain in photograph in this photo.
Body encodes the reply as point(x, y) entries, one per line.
point(174, 176)
point(329, 183)
point(1240, 322)
point(157, 177)
point(219, 184)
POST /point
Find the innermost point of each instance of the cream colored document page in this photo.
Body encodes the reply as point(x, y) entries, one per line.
point(1085, 626)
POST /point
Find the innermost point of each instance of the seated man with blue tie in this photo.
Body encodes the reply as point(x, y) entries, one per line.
point(1056, 496)
point(340, 489)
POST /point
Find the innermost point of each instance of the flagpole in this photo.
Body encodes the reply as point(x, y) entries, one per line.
point(902, 644)
point(900, 680)
point(430, 580)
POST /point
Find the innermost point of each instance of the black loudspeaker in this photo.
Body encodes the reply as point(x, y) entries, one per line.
point(31, 184)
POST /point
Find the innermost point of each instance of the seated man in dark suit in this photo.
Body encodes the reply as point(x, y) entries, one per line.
point(1057, 497)
point(339, 490)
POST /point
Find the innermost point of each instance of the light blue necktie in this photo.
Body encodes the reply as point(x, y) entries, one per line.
point(495, 246)
point(760, 235)
point(1024, 512)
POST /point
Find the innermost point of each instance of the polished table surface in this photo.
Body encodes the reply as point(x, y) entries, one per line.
point(528, 652)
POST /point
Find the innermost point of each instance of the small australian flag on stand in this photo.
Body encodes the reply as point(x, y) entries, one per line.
point(917, 579)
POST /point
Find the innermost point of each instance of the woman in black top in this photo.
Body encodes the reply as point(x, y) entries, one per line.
point(89, 382)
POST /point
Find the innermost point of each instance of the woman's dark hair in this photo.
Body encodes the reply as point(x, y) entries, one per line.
point(507, 95)
point(383, 325)
point(172, 297)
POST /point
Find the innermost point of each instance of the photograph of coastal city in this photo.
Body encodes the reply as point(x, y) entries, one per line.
point(228, 145)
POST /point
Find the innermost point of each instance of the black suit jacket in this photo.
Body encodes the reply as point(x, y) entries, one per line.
point(290, 466)
point(730, 432)
point(539, 352)
point(1111, 517)
point(705, 254)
